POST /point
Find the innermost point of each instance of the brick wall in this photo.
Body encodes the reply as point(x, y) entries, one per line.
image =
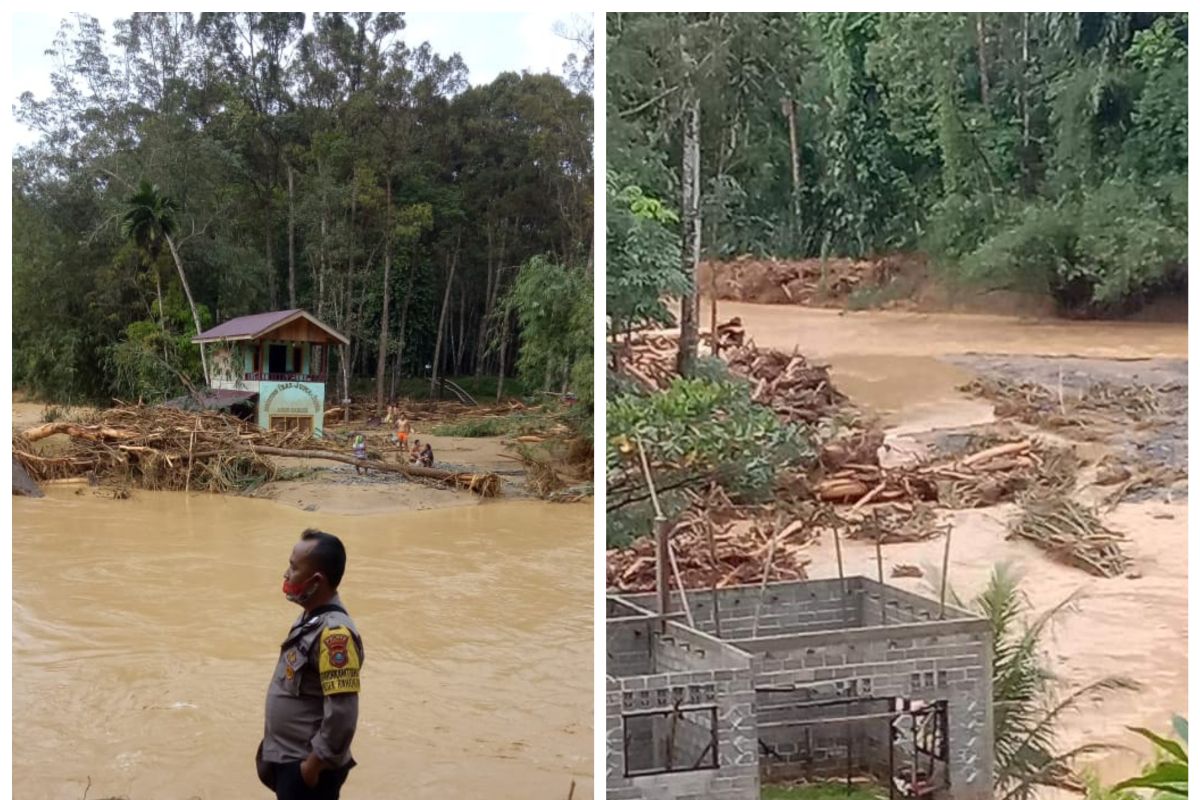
point(938, 660)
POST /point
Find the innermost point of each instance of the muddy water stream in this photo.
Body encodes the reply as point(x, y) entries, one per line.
point(897, 364)
point(144, 636)
point(889, 361)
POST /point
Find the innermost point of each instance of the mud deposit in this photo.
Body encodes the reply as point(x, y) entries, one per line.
point(145, 633)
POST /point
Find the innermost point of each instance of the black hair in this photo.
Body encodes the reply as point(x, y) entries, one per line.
point(329, 555)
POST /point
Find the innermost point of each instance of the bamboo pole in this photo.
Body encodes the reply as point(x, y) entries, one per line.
point(945, 574)
point(712, 551)
point(762, 589)
point(882, 586)
point(661, 549)
point(687, 611)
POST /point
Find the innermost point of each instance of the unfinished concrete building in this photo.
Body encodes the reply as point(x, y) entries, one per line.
point(823, 679)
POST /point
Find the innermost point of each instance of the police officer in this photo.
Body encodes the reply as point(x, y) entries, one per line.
point(312, 702)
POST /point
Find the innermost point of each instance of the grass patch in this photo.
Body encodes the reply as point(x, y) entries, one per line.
point(823, 791)
point(518, 424)
point(482, 388)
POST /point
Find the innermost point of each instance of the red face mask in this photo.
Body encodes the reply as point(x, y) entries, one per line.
point(296, 592)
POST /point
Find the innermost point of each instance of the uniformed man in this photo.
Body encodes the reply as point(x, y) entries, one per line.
point(312, 702)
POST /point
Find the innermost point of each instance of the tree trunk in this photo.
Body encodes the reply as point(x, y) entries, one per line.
point(790, 104)
point(272, 289)
point(291, 239)
point(381, 363)
point(689, 312)
point(461, 347)
point(981, 37)
point(503, 352)
point(344, 368)
point(191, 304)
point(401, 335)
point(437, 348)
point(162, 325)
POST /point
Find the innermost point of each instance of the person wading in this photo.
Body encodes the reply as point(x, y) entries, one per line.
point(312, 701)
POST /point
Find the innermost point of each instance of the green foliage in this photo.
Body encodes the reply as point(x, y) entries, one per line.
point(832, 790)
point(696, 429)
point(980, 137)
point(1168, 776)
point(643, 257)
point(291, 178)
point(554, 307)
point(535, 421)
point(1111, 247)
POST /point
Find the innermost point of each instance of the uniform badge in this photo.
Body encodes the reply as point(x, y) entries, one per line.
point(339, 661)
point(335, 643)
point(292, 657)
point(289, 673)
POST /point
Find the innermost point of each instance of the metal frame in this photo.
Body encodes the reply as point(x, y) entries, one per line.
point(928, 728)
point(712, 762)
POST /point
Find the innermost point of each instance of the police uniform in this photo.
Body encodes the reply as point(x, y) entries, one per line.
point(312, 704)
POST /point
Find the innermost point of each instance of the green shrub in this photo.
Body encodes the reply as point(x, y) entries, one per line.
point(696, 431)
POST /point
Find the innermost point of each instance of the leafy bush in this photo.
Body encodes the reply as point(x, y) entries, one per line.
point(695, 431)
point(1112, 247)
point(1168, 775)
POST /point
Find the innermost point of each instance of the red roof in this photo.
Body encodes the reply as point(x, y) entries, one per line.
point(256, 325)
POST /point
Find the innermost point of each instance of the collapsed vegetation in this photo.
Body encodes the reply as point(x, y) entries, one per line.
point(764, 456)
point(157, 447)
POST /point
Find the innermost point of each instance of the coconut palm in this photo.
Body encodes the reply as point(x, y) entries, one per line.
point(1025, 707)
point(149, 222)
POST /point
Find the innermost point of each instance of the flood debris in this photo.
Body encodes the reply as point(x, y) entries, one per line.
point(157, 447)
point(737, 553)
point(1071, 533)
point(807, 282)
point(1073, 407)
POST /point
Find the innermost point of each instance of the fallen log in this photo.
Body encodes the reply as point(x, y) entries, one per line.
point(1007, 448)
point(486, 484)
point(93, 433)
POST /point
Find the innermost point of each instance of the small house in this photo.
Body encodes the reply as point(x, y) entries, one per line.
point(275, 363)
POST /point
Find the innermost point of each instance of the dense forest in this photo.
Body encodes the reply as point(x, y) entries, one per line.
point(190, 169)
point(1040, 152)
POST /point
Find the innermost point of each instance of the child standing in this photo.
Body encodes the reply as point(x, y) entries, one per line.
point(360, 452)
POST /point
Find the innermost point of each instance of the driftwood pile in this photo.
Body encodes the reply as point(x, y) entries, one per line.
point(1098, 403)
point(727, 554)
point(984, 478)
point(795, 389)
point(156, 447)
point(811, 282)
point(1072, 533)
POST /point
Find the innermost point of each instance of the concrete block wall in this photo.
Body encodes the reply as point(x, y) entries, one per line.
point(731, 691)
point(682, 649)
point(948, 660)
point(629, 644)
point(787, 607)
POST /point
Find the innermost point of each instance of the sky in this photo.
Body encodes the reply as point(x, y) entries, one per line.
point(489, 43)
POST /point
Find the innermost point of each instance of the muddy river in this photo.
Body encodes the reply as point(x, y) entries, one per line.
point(906, 367)
point(145, 633)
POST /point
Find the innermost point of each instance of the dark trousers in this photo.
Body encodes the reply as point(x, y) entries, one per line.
point(289, 785)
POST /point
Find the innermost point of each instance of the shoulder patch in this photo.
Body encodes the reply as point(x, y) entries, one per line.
point(338, 661)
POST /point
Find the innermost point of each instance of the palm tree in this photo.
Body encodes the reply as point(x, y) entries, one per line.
point(149, 223)
point(1025, 707)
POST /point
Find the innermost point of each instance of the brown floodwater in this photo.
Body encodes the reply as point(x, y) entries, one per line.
point(145, 633)
point(890, 361)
